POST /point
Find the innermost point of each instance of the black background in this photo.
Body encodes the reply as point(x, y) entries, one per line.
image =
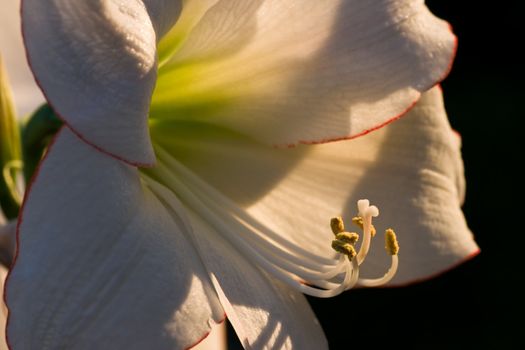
point(475, 304)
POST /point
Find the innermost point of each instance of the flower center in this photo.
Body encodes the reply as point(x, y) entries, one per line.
point(285, 260)
point(188, 99)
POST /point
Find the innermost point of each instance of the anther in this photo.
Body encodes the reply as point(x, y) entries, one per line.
point(344, 243)
point(391, 245)
point(358, 221)
point(344, 248)
point(337, 225)
point(348, 237)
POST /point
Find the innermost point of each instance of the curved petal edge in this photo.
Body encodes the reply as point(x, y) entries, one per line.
point(96, 64)
point(102, 262)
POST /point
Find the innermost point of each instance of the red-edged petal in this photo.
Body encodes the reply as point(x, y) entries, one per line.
point(102, 262)
point(96, 64)
point(289, 72)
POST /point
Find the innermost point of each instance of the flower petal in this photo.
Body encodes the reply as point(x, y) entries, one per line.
point(163, 14)
point(27, 95)
point(102, 262)
point(265, 313)
point(289, 72)
point(96, 63)
point(412, 170)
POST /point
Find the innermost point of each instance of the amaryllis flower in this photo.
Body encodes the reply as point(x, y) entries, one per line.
point(186, 185)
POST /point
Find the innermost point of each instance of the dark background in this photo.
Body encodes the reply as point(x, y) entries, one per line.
point(475, 304)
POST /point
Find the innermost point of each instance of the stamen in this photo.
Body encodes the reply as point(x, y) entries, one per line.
point(337, 225)
point(358, 221)
point(392, 248)
point(329, 280)
point(291, 263)
point(391, 245)
point(344, 248)
point(348, 237)
point(344, 241)
point(262, 251)
point(212, 196)
point(383, 280)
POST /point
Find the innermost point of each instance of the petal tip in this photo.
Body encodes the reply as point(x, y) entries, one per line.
point(112, 50)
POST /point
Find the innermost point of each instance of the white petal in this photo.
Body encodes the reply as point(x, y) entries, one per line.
point(412, 170)
point(265, 313)
point(216, 340)
point(96, 63)
point(27, 95)
point(163, 13)
point(289, 72)
point(102, 263)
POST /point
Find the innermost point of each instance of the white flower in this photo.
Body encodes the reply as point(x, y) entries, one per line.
point(164, 203)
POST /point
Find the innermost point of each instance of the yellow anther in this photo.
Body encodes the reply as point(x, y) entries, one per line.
point(358, 221)
point(347, 237)
point(391, 245)
point(344, 248)
point(337, 225)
